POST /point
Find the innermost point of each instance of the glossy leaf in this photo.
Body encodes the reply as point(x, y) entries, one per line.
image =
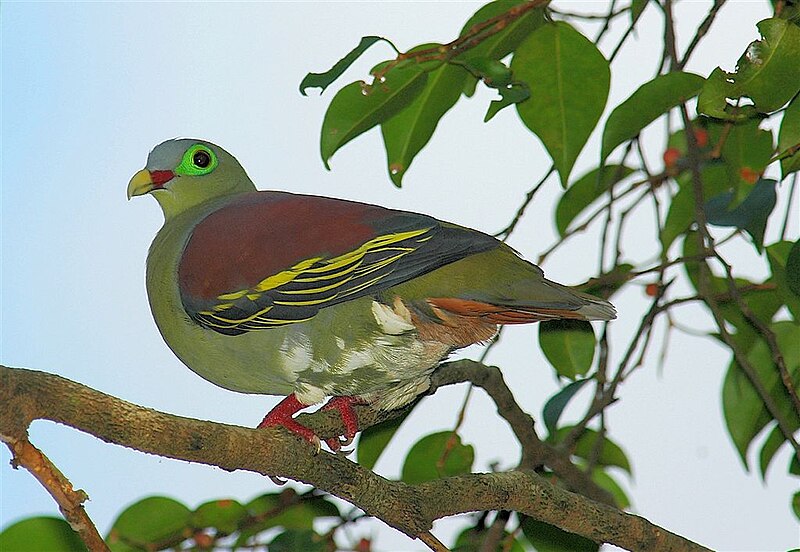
point(407, 132)
point(153, 520)
point(358, 107)
point(568, 345)
point(492, 72)
point(323, 80)
point(548, 538)
point(608, 283)
point(435, 456)
point(789, 137)
point(506, 41)
point(745, 413)
point(36, 534)
point(569, 80)
point(644, 106)
point(767, 73)
point(558, 402)
point(374, 440)
point(750, 215)
point(224, 515)
point(512, 94)
point(284, 510)
point(584, 191)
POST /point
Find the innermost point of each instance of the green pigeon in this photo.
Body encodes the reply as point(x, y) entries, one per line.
point(314, 297)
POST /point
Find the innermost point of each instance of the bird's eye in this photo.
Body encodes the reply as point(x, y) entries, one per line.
point(197, 161)
point(201, 159)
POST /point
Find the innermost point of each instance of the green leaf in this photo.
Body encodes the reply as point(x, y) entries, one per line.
point(605, 481)
point(304, 540)
point(767, 73)
point(358, 107)
point(644, 106)
point(569, 80)
point(568, 345)
point(284, 510)
point(36, 534)
point(779, 254)
point(492, 72)
point(793, 269)
point(607, 284)
point(323, 80)
point(745, 413)
point(435, 456)
point(374, 439)
point(789, 137)
point(773, 443)
point(584, 191)
point(155, 520)
point(506, 41)
point(509, 95)
point(407, 132)
point(556, 404)
point(750, 215)
point(796, 504)
point(611, 454)
point(224, 515)
point(746, 152)
point(548, 538)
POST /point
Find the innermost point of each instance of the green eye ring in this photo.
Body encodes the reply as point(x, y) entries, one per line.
point(198, 160)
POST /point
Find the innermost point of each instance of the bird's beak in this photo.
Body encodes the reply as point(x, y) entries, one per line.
point(145, 181)
point(140, 184)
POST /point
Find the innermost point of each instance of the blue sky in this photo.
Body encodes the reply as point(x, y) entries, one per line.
point(88, 89)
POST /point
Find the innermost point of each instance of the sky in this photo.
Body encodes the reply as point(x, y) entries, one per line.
point(89, 88)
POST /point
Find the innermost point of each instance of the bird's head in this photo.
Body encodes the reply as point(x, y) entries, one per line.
point(185, 172)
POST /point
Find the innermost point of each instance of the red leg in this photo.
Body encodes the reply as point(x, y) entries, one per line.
point(349, 418)
point(282, 414)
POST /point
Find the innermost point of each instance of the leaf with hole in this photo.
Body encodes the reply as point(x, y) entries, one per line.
point(569, 82)
point(358, 107)
point(323, 80)
point(408, 131)
point(514, 93)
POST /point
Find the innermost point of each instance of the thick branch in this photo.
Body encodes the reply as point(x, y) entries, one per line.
point(27, 395)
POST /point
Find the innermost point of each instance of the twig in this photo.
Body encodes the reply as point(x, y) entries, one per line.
point(792, 189)
point(69, 501)
point(494, 535)
point(701, 32)
point(432, 542)
point(506, 232)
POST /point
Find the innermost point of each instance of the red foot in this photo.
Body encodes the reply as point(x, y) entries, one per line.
point(349, 418)
point(282, 415)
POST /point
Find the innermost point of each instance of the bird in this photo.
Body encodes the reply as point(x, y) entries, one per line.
point(315, 298)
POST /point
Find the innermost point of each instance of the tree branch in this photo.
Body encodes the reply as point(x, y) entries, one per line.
point(27, 395)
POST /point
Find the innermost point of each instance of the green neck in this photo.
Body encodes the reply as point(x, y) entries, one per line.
point(173, 204)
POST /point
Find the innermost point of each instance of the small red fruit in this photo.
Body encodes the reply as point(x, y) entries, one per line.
point(364, 545)
point(651, 290)
point(701, 137)
point(671, 157)
point(748, 175)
